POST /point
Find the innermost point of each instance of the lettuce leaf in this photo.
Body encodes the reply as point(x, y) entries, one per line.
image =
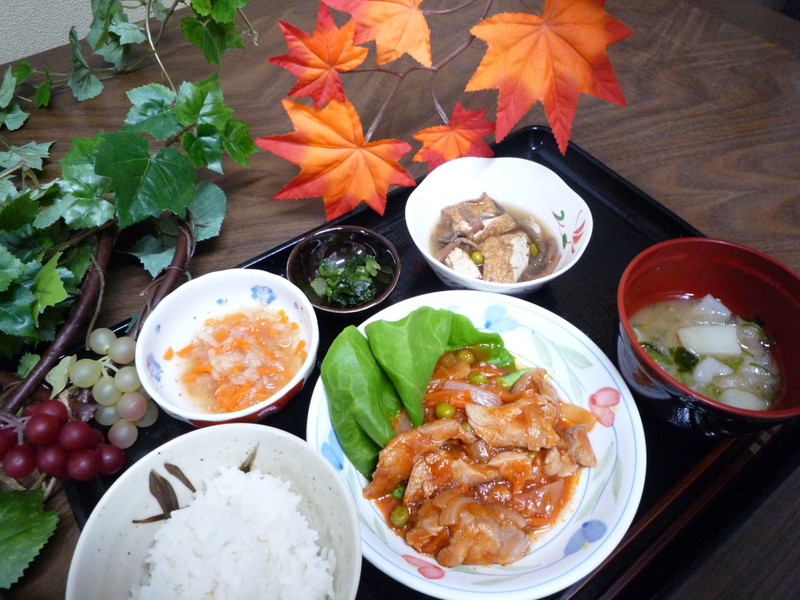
point(408, 350)
point(361, 399)
point(369, 379)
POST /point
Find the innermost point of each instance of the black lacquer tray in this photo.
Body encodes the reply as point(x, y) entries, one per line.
point(687, 475)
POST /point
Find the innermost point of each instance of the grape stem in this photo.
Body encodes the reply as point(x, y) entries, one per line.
point(16, 397)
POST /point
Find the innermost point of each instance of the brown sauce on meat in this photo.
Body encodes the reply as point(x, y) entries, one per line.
point(469, 500)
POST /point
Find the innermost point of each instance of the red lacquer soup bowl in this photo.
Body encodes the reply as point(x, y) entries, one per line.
point(752, 285)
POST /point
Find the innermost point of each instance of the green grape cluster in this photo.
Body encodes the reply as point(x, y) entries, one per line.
point(124, 406)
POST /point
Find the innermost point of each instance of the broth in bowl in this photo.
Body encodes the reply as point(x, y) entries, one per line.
point(711, 350)
point(481, 239)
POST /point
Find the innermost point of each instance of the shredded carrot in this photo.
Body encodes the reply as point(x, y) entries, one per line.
point(169, 353)
point(509, 397)
point(456, 398)
point(242, 358)
point(185, 351)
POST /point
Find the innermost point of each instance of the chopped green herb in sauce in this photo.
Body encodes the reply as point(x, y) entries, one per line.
point(351, 282)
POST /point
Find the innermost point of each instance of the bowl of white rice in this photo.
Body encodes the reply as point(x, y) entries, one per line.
point(268, 518)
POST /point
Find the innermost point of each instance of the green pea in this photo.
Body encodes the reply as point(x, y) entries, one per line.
point(477, 377)
point(477, 257)
point(534, 249)
point(399, 491)
point(465, 355)
point(444, 410)
point(399, 516)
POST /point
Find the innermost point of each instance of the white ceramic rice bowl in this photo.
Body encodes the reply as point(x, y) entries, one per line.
point(519, 185)
point(110, 553)
point(175, 319)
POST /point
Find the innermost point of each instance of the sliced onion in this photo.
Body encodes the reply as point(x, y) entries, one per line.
point(479, 395)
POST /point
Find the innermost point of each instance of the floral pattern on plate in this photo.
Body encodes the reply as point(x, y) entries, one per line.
point(606, 497)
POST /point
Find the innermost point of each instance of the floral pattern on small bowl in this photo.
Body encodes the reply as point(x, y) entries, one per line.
point(176, 319)
point(607, 495)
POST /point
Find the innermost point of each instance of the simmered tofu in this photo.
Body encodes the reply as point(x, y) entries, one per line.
point(505, 257)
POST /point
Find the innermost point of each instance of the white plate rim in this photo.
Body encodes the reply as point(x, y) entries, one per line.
point(319, 427)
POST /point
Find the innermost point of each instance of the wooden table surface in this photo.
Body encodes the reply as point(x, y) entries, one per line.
point(710, 130)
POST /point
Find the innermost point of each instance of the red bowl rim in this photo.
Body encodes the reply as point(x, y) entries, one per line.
point(766, 415)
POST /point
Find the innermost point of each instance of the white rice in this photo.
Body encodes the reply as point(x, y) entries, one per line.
point(242, 537)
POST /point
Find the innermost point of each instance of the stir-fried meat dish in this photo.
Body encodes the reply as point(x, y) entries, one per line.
point(482, 240)
point(492, 464)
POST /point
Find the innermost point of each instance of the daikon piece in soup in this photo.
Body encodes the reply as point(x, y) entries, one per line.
point(711, 350)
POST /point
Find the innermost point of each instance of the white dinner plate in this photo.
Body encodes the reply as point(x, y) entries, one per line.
point(605, 499)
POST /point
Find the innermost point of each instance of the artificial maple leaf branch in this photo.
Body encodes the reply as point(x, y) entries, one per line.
point(552, 59)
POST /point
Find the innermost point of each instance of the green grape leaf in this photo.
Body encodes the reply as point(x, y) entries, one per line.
point(13, 119)
point(237, 142)
point(104, 37)
point(128, 32)
point(208, 211)
point(152, 111)
point(10, 268)
point(204, 147)
point(83, 84)
point(212, 38)
point(79, 157)
point(224, 11)
point(202, 103)
point(7, 88)
point(7, 189)
point(48, 287)
point(156, 252)
point(26, 363)
point(17, 212)
point(22, 72)
point(16, 318)
point(201, 7)
point(77, 260)
point(84, 182)
point(77, 212)
point(145, 185)
point(26, 243)
point(31, 154)
point(43, 92)
point(58, 377)
point(25, 527)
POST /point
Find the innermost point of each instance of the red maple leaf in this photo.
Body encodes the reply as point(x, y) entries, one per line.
point(462, 136)
point(553, 58)
point(335, 162)
point(397, 26)
point(318, 59)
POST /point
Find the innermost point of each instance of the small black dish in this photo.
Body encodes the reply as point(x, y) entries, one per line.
point(341, 243)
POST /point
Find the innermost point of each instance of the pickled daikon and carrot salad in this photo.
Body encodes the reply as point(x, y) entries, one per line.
point(240, 359)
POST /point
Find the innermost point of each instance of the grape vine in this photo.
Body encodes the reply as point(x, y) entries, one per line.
point(57, 237)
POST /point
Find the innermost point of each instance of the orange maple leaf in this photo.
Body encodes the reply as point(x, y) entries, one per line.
point(462, 136)
point(335, 162)
point(318, 59)
point(397, 26)
point(552, 58)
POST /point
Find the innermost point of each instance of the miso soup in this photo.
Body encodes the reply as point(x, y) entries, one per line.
point(716, 353)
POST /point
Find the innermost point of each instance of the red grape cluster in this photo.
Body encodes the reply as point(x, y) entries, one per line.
point(44, 438)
